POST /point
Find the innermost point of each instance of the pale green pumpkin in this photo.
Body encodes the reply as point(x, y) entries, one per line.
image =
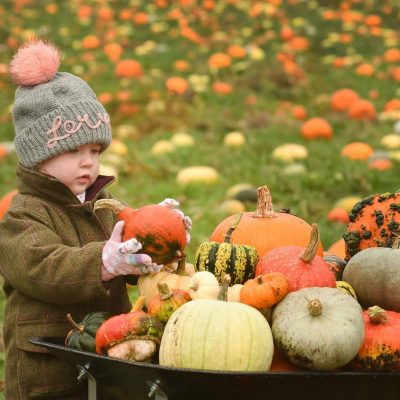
point(217, 335)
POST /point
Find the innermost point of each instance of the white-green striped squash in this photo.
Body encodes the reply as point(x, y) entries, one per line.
point(217, 335)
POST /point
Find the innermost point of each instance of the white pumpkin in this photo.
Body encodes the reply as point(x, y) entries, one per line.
point(234, 139)
point(289, 152)
point(318, 328)
point(234, 292)
point(197, 174)
point(203, 285)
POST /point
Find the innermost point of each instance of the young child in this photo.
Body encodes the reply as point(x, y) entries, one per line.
point(57, 256)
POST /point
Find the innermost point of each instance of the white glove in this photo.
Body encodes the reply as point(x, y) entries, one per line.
point(173, 204)
point(121, 258)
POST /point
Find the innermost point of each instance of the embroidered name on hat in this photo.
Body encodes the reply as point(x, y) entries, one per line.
point(71, 127)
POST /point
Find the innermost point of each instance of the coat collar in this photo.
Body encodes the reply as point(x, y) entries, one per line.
point(32, 182)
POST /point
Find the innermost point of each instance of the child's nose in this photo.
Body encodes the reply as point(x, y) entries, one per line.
point(87, 160)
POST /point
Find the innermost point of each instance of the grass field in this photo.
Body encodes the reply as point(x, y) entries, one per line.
point(288, 54)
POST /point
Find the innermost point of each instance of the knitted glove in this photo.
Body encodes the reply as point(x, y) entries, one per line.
point(173, 204)
point(121, 258)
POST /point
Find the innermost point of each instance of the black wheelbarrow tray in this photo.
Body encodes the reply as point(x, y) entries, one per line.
point(122, 380)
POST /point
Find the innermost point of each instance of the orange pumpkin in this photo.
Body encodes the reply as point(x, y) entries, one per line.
point(338, 248)
point(219, 60)
point(381, 164)
point(365, 69)
point(392, 55)
point(392, 105)
point(380, 350)
point(220, 87)
point(176, 84)
point(281, 363)
point(265, 228)
point(128, 69)
point(264, 291)
point(342, 99)
point(113, 51)
point(160, 230)
point(362, 110)
point(90, 42)
point(5, 202)
point(357, 151)
point(374, 222)
point(316, 128)
point(339, 215)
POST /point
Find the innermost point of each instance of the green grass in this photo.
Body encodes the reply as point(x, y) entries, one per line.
point(145, 178)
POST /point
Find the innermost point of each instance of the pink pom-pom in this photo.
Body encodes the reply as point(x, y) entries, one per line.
point(35, 62)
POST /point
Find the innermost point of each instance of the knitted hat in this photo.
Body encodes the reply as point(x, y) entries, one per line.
point(54, 112)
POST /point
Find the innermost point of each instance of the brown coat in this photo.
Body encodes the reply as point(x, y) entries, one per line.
point(50, 259)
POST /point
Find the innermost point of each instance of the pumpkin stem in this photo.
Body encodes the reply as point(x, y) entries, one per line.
point(76, 326)
point(310, 251)
point(114, 205)
point(377, 315)
point(139, 303)
point(164, 290)
point(234, 225)
point(396, 243)
point(315, 307)
point(181, 269)
point(265, 208)
point(260, 280)
point(223, 292)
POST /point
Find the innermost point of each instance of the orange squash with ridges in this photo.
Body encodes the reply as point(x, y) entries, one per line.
point(265, 228)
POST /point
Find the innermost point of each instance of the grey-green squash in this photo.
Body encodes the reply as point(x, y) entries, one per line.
point(82, 336)
point(318, 328)
point(374, 274)
point(239, 261)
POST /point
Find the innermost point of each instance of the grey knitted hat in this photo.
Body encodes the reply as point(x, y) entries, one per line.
point(54, 112)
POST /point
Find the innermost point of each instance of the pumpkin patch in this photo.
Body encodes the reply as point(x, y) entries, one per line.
point(219, 104)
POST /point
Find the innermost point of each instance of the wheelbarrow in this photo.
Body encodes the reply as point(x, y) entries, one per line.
point(123, 380)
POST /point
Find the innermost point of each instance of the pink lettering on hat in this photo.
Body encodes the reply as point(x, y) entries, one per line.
point(71, 127)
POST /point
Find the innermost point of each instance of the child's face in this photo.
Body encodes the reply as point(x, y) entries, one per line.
point(77, 169)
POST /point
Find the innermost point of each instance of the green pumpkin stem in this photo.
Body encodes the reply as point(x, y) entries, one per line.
point(223, 292)
point(164, 290)
point(377, 315)
point(310, 251)
point(76, 326)
point(114, 205)
point(265, 208)
point(315, 307)
point(181, 269)
point(234, 225)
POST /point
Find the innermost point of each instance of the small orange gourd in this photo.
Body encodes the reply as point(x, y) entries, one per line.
point(264, 291)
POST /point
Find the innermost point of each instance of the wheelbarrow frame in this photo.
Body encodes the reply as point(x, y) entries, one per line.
point(123, 380)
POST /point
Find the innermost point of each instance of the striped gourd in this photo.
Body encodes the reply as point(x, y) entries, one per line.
point(346, 288)
point(239, 261)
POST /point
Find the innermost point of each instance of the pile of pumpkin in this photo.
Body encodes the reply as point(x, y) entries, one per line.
point(289, 306)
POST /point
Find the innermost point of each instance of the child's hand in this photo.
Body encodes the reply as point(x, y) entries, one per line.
point(173, 204)
point(121, 258)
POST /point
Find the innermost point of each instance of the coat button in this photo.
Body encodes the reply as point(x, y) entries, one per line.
point(88, 213)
